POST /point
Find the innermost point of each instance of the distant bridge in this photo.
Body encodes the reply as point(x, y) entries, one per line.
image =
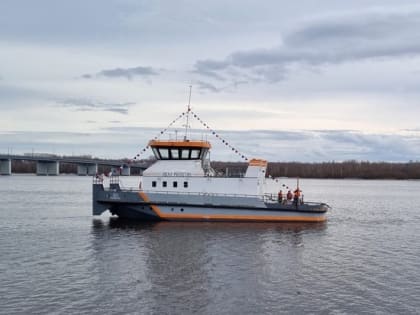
point(49, 164)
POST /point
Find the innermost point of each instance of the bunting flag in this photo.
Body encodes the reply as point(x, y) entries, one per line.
point(219, 137)
point(137, 156)
point(204, 124)
point(156, 137)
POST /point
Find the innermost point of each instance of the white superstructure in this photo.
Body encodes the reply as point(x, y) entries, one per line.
point(182, 167)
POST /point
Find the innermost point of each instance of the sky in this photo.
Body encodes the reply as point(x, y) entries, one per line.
point(303, 80)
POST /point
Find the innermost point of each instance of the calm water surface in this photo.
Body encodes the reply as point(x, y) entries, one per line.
point(56, 258)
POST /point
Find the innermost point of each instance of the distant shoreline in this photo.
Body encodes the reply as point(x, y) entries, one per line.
point(282, 177)
point(321, 170)
point(331, 170)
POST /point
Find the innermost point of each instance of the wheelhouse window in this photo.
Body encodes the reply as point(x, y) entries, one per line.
point(179, 153)
point(185, 184)
point(164, 153)
point(164, 184)
point(154, 184)
point(195, 153)
point(174, 154)
point(185, 154)
point(175, 184)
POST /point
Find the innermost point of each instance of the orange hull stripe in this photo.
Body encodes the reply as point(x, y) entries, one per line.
point(202, 217)
point(241, 217)
point(154, 208)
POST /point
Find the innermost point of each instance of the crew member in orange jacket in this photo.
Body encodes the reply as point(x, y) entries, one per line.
point(280, 196)
point(296, 195)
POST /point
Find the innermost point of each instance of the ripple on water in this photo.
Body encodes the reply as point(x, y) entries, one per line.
point(56, 259)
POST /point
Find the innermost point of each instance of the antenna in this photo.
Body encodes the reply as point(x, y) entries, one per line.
point(187, 125)
point(189, 99)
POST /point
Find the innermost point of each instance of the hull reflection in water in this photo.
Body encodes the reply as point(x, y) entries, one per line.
point(127, 224)
point(202, 264)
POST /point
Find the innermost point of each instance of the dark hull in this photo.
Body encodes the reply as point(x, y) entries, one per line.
point(139, 205)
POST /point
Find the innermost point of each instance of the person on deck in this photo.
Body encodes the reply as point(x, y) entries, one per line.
point(280, 196)
point(289, 196)
point(296, 196)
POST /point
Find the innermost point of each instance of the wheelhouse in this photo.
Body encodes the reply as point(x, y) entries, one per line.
point(179, 149)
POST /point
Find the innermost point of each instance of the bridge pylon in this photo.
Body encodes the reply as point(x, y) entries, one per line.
point(6, 167)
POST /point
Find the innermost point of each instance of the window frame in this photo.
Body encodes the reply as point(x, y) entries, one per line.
point(167, 150)
point(156, 153)
point(179, 153)
point(197, 157)
point(188, 151)
point(171, 150)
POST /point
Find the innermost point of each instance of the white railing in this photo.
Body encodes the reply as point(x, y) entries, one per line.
point(268, 198)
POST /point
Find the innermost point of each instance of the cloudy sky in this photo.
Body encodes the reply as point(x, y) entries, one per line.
point(300, 80)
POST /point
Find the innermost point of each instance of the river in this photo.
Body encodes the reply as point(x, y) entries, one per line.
point(56, 258)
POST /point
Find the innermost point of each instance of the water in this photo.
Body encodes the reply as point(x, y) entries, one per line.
point(56, 258)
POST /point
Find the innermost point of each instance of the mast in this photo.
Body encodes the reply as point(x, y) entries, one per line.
point(188, 114)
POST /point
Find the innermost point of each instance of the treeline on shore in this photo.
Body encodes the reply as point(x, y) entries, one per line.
point(347, 169)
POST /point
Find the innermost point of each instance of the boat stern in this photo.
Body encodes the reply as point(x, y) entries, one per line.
point(98, 193)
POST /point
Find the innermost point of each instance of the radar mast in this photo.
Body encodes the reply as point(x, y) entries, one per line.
point(187, 125)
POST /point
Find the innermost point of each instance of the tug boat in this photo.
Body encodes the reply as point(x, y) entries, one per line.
point(182, 186)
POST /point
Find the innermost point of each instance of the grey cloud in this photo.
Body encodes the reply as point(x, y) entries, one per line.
point(239, 113)
point(205, 86)
point(271, 74)
point(127, 73)
point(90, 105)
point(212, 65)
point(330, 40)
point(304, 146)
point(315, 146)
point(208, 73)
point(68, 143)
point(372, 146)
point(372, 26)
point(346, 137)
point(285, 135)
point(16, 92)
point(129, 129)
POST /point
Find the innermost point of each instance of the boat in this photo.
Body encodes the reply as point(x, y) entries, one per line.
point(182, 186)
